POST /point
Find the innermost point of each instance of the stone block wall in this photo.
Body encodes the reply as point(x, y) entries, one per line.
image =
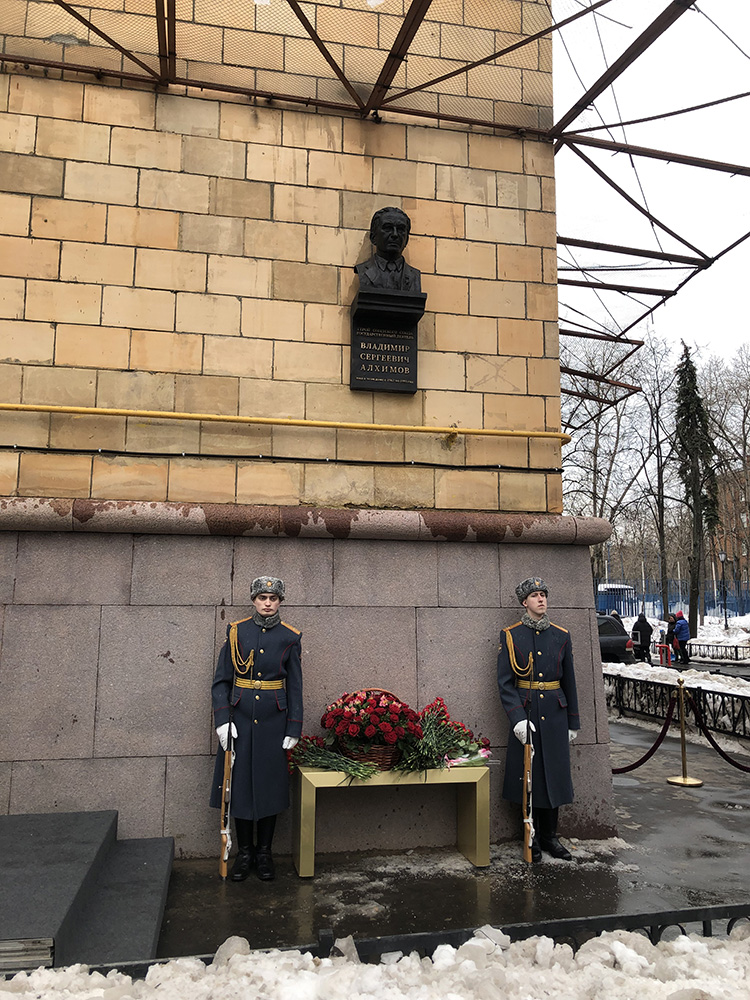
point(190, 254)
point(109, 642)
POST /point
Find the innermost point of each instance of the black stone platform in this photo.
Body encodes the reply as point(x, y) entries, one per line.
point(71, 892)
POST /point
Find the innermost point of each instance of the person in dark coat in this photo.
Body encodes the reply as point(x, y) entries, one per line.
point(669, 638)
point(257, 690)
point(642, 631)
point(537, 686)
point(682, 635)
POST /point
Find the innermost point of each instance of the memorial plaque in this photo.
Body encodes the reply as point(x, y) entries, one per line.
point(384, 340)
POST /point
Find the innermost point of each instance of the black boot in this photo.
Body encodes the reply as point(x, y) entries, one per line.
point(536, 851)
point(245, 859)
point(264, 860)
point(548, 834)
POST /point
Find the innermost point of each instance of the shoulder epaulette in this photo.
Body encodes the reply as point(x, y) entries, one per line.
point(560, 627)
point(515, 624)
point(241, 620)
point(291, 628)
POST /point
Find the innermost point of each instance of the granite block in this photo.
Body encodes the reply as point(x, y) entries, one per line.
point(133, 786)
point(592, 813)
point(385, 818)
point(66, 568)
point(187, 815)
point(385, 574)
point(6, 769)
point(48, 682)
point(457, 661)
point(8, 548)
point(155, 671)
point(306, 567)
point(468, 575)
point(345, 649)
point(181, 570)
point(566, 569)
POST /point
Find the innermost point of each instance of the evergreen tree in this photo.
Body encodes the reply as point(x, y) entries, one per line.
point(695, 465)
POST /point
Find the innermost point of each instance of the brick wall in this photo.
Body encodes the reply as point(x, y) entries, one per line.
point(167, 252)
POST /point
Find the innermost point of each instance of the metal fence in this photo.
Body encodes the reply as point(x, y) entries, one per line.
point(722, 712)
point(631, 596)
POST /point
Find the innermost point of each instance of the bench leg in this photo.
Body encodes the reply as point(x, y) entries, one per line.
point(304, 828)
point(473, 821)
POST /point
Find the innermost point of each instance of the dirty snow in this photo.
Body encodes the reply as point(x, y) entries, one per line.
point(618, 965)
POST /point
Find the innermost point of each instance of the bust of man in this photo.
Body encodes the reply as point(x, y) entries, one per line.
point(389, 234)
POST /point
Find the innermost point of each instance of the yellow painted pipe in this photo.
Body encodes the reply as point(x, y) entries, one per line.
point(107, 411)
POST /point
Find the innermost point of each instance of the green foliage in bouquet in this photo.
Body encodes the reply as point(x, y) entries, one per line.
point(311, 751)
point(444, 743)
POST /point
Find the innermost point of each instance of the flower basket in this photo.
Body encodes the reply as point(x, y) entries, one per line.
point(371, 726)
point(384, 758)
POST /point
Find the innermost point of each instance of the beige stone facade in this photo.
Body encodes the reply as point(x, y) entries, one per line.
point(194, 254)
point(190, 251)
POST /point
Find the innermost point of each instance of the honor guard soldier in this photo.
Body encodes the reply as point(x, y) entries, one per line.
point(538, 691)
point(257, 690)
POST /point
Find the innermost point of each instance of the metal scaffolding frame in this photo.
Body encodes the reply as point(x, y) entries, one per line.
point(384, 97)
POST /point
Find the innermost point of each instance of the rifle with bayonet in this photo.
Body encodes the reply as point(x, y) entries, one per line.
point(226, 798)
point(526, 804)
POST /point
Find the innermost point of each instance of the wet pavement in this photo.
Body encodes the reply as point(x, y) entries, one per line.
point(677, 847)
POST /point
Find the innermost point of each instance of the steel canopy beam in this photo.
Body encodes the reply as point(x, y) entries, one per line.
point(323, 49)
point(631, 201)
point(657, 27)
point(496, 55)
point(612, 287)
point(409, 27)
point(571, 139)
point(673, 258)
point(105, 37)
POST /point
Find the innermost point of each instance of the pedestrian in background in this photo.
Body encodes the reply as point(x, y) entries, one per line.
point(641, 634)
point(682, 637)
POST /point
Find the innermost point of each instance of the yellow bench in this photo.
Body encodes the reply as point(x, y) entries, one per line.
point(472, 807)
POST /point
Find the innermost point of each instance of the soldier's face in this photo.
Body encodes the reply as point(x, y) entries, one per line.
point(536, 604)
point(267, 604)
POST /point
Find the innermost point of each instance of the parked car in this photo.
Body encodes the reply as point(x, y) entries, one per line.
point(614, 642)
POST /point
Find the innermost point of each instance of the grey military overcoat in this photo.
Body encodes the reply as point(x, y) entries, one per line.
point(553, 711)
point(260, 778)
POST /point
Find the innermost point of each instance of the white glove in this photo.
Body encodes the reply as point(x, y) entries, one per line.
point(290, 742)
point(519, 730)
point(223, 731)
point(572, 733)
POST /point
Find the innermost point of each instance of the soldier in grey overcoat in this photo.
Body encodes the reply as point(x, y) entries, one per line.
point(537, 685)
point(257, 688)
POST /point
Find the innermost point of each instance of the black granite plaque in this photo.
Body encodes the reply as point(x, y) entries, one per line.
point(384, 340)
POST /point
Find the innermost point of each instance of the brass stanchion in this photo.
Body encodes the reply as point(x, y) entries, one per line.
point(683, 779)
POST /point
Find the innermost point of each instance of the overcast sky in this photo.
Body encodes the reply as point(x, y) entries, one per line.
point(691, 63)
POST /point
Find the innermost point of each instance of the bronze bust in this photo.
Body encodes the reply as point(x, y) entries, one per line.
point(389, 234)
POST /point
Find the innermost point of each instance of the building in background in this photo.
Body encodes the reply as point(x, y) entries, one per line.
point(188, 247)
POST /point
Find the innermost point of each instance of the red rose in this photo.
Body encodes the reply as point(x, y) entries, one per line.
point(370, 732)
point(390, 737)
point(386, 727)
point(399, 731)
point(353, 729)
point(374, 718)
point(330, 721)
point(340, 728)
point(394, 717)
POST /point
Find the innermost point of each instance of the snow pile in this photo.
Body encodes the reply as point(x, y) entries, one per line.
point(618, 965)
point(669, 675)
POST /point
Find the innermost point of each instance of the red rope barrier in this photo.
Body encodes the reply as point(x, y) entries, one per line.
point(706, 732)
point(659, 740)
